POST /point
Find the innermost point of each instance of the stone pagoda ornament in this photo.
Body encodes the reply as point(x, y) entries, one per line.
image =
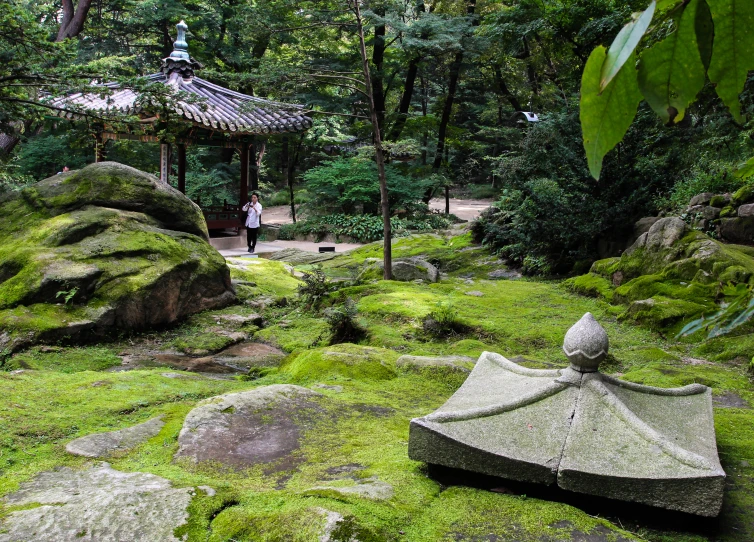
point(584, 430)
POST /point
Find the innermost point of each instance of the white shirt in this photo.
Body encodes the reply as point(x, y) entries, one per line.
point(255, 211)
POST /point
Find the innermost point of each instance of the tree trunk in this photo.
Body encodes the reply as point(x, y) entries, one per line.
point(455, 74)
point(408, 90)
point(504, 90)
point(378, 59)
point(379, 156)
point(73, 20)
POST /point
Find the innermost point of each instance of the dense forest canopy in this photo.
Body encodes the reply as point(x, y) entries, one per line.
point(448, 78)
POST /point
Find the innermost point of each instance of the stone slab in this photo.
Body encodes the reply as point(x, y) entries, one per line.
point(103, 444)
point(99, 504)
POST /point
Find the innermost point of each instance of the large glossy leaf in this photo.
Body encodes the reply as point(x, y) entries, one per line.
point(606, 115)
point(745, 171)
point(705, 32)
point(733, 50)
point(624, 45)
point(671, 73)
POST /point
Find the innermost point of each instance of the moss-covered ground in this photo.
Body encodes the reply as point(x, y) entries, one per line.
point(54, 394)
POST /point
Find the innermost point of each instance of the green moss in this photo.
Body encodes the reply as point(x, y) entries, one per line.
point(661, 312)
point(477, 515)
point(745, 194)
point(270, 278)
point(718, 201)
point(202, 343)
point(65, 360)
point(727, 211)
point(296, 333)
point(592, 285)
point(341, 361)
point(648, 286)
point(606, 267)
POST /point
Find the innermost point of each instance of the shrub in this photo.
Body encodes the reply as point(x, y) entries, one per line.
point(314, 289)
point(344, 326)
point(442, 322)
point(351, 185)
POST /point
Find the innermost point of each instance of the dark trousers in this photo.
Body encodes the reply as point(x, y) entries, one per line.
point(251, 237)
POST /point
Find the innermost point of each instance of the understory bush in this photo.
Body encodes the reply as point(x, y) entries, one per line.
point(314, 289)
point(351, 185)
point(343, 322)
point(364, 228)
point(443, 322)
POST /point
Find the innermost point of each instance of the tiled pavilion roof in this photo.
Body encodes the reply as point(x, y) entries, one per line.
point(210, 106)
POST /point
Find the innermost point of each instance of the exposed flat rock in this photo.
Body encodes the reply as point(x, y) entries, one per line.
point(99, 504)
point(248, 428)
point(102, 444)
point(463, 363)
point(371, 488)
point(250, 354)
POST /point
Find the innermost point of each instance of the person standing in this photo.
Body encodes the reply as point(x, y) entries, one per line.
point(254, 210)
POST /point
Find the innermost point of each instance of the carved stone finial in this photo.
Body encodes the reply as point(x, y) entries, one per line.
point(180, 46)
point(586, 344)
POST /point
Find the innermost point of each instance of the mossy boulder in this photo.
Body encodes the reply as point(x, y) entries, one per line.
point(106, 247)
point(670, 274)
point(404, 270)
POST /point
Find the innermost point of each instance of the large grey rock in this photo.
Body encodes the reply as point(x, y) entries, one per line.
point(746, 210)
point(128, 251)
point(701, 199)
point(704, 211)
point(243, 429)
point(583, 430)
point(737, 229)
point(99, 504)
point(102, 444)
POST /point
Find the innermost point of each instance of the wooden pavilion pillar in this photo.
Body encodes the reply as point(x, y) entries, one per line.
point(99, 148)
point(182, 167)
point(244, 173)
point(165, 162)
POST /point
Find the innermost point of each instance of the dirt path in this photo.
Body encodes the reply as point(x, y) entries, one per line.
point(465, 209)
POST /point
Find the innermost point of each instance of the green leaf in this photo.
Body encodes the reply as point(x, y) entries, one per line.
point(607, 115)
point(733, 50)
point(705, 32)
point(671, 73)
point(624, 45)
point(746, 170)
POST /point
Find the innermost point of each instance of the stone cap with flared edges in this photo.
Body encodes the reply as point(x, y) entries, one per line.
point(584, 430)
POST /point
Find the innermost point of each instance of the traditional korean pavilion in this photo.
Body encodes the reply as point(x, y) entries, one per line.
point(207, 115)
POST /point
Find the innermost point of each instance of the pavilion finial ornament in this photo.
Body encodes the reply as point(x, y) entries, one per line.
point(180, 46)
point(180, 62)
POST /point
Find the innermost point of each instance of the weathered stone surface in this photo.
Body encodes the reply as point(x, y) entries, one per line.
point(250, 354)
point(701, 199)
point(746, 210)
point(475, 293)
point(126, 250)
point(300, 257)
point(103, 444)
point(404, 270)
point(462, 363)
point(586, 344)
point(704, 211)
point(99, 504)
point(737, 229)
point(247, 428)
point(510, 274)
point(369, 488)
point(589, 432)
